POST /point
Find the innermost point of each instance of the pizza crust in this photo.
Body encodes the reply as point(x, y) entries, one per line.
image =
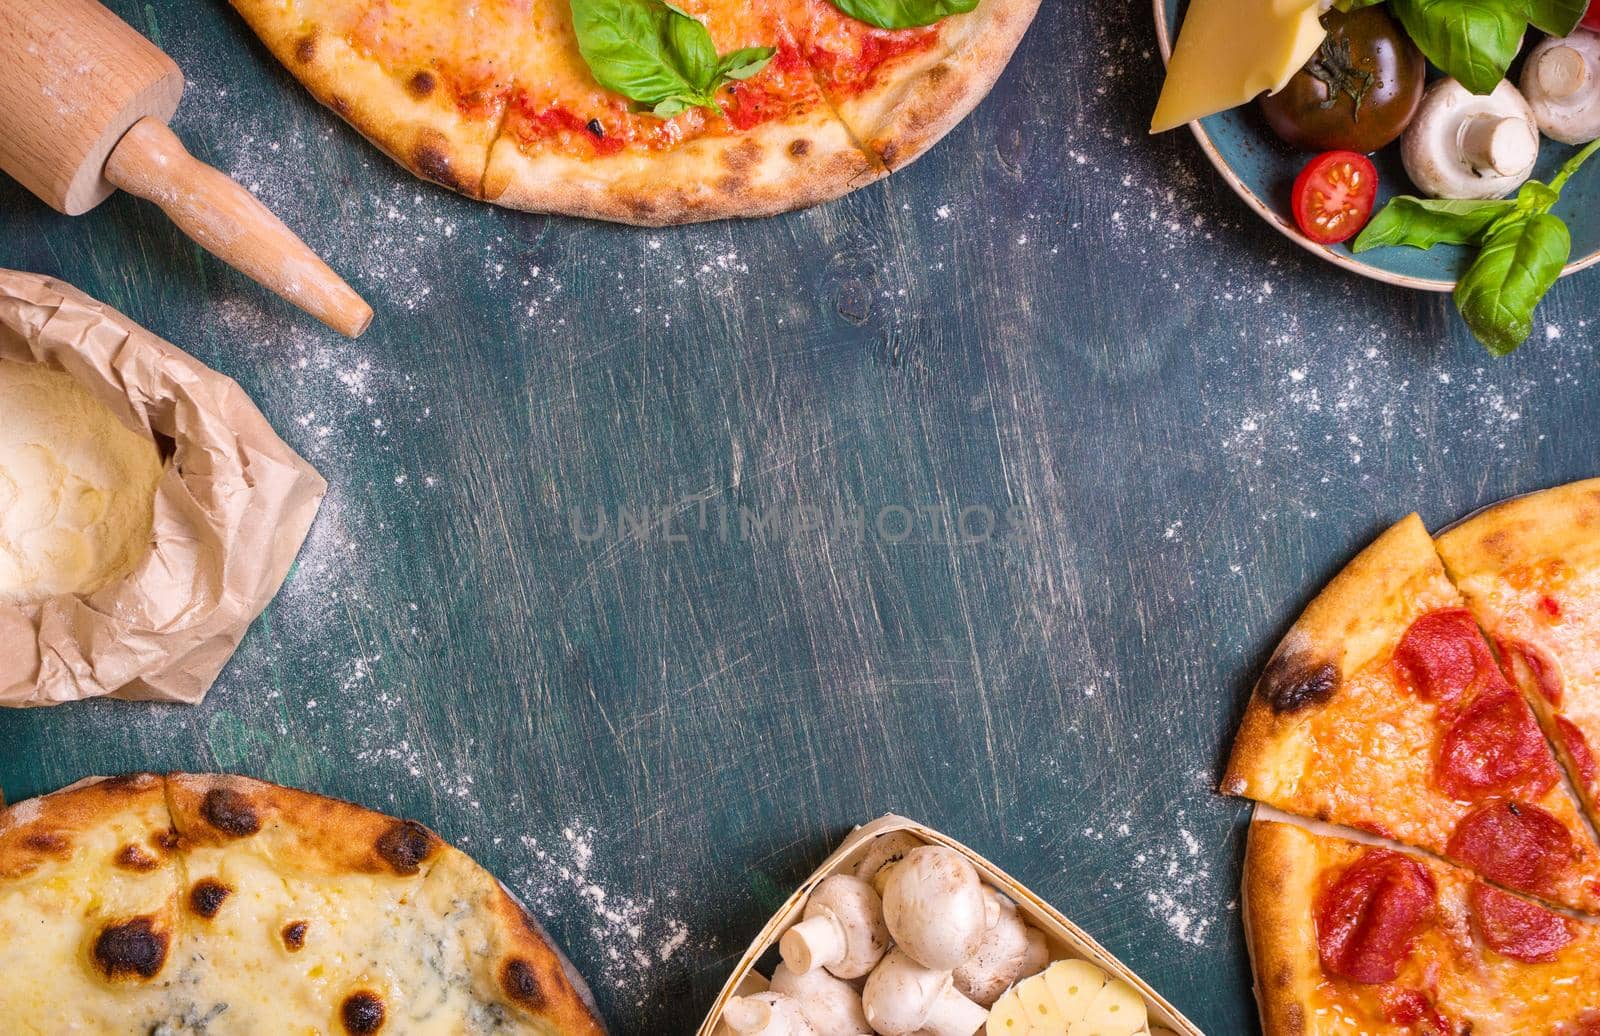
point(1280, 874)
point(773, 168)
point(1563, 522)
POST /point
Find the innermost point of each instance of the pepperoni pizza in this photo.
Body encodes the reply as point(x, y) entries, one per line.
point(203, 903)
point(1349, 937)
point(645, 111)
point(1385, 710)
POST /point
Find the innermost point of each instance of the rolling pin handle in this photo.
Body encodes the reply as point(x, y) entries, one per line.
point(230, 223)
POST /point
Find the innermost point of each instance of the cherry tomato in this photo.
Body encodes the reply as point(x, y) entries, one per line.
point(1358, 92)
point(1334, 195)
point(1592, 19)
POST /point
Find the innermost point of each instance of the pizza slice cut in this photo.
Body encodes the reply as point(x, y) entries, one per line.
point(427, 81)
point(901, 89)
point(341, 903)
point(1384, 710)
point(1530, 571)
point(1349, 937)
point(89, 922)
point(769, 143)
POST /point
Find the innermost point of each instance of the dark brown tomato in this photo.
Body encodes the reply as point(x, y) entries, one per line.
point(1358, 92)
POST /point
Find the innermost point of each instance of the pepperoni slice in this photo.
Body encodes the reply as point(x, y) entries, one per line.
point(1516, 928)
point(1516, 845)
point(1367, 919)
point(1443, 656)
point(1577, 747)
point(1496, 746)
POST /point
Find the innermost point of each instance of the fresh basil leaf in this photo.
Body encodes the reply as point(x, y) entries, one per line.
point(903, 14)
point(1425, 222)
point(1556, 17)
point(657, 55)
point(742, 64)
point(1473, 40)
point(1521, 260)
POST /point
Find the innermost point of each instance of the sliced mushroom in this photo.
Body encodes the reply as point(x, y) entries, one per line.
point(934, 905)
point(843, 930)
point(1561, 81)
point(903, 997)
point(1010, 951)
point(765, 1014)
point(1462, 145)
point(831, 1005)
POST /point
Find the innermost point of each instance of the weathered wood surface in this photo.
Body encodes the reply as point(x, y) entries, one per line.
point(652, 739)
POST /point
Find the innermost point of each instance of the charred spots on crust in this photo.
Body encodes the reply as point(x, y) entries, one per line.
point(167, 840)
point(294, 936)
point(207, 897)
point(305, 49)
point(362, 1012)
point(230, 812)
point(421, 84)
point(136, 858)
point(405, 845)
point(1296, 680)
point(433, 162)
point(799, 147)
point(50, 842)
point(522, 983)
point(131, 949)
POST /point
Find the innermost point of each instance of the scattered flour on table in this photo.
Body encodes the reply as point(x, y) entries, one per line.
point(632, 936)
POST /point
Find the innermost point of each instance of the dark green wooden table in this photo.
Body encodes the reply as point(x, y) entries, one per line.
point(1181, 424)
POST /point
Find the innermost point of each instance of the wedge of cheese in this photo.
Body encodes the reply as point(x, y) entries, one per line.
point(1231, 50)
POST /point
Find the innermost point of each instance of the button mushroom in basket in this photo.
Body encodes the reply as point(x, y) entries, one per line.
point(903, 997)
point(843, 930)
point(831, 1005)
point(1462, 145)
point(1010, 951)
point(1561, 81)
point(765, 1014)
point(935, 907)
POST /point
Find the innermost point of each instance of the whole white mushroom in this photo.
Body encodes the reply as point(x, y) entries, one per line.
point(765, 1014)
point(1010, 951)
point(882, 854)
point(1561, 80)
point(843, 930)
point(831, 1005)
point(1462, 145)
point(935, 907)
point(902, 997)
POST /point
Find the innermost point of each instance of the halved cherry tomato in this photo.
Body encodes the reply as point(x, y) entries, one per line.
point(1592, 19)
point(1333, 196)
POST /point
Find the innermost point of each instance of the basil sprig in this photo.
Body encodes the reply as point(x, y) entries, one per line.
point(1475, 41)
point(1522, 249)
point(903, 14)
point(657, 55)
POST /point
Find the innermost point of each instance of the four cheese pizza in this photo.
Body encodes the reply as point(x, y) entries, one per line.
point(1388, 710)
point(645, 111)
point(211, 904)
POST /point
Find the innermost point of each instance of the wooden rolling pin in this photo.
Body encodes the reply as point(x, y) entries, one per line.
point(84, 105)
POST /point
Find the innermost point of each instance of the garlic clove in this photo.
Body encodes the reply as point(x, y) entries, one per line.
point(1008, 1017)
point(1040, 1007)
point(1074, 984)
point(1117, 1010)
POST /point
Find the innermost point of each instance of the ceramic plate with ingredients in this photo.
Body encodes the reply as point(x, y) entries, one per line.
point(1353, 84)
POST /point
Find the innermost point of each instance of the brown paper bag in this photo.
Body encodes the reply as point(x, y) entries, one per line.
point(232, 507)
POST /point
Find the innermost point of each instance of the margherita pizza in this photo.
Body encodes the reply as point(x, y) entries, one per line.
point(644, 111)
point(1353, 938)
point(212, 904)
